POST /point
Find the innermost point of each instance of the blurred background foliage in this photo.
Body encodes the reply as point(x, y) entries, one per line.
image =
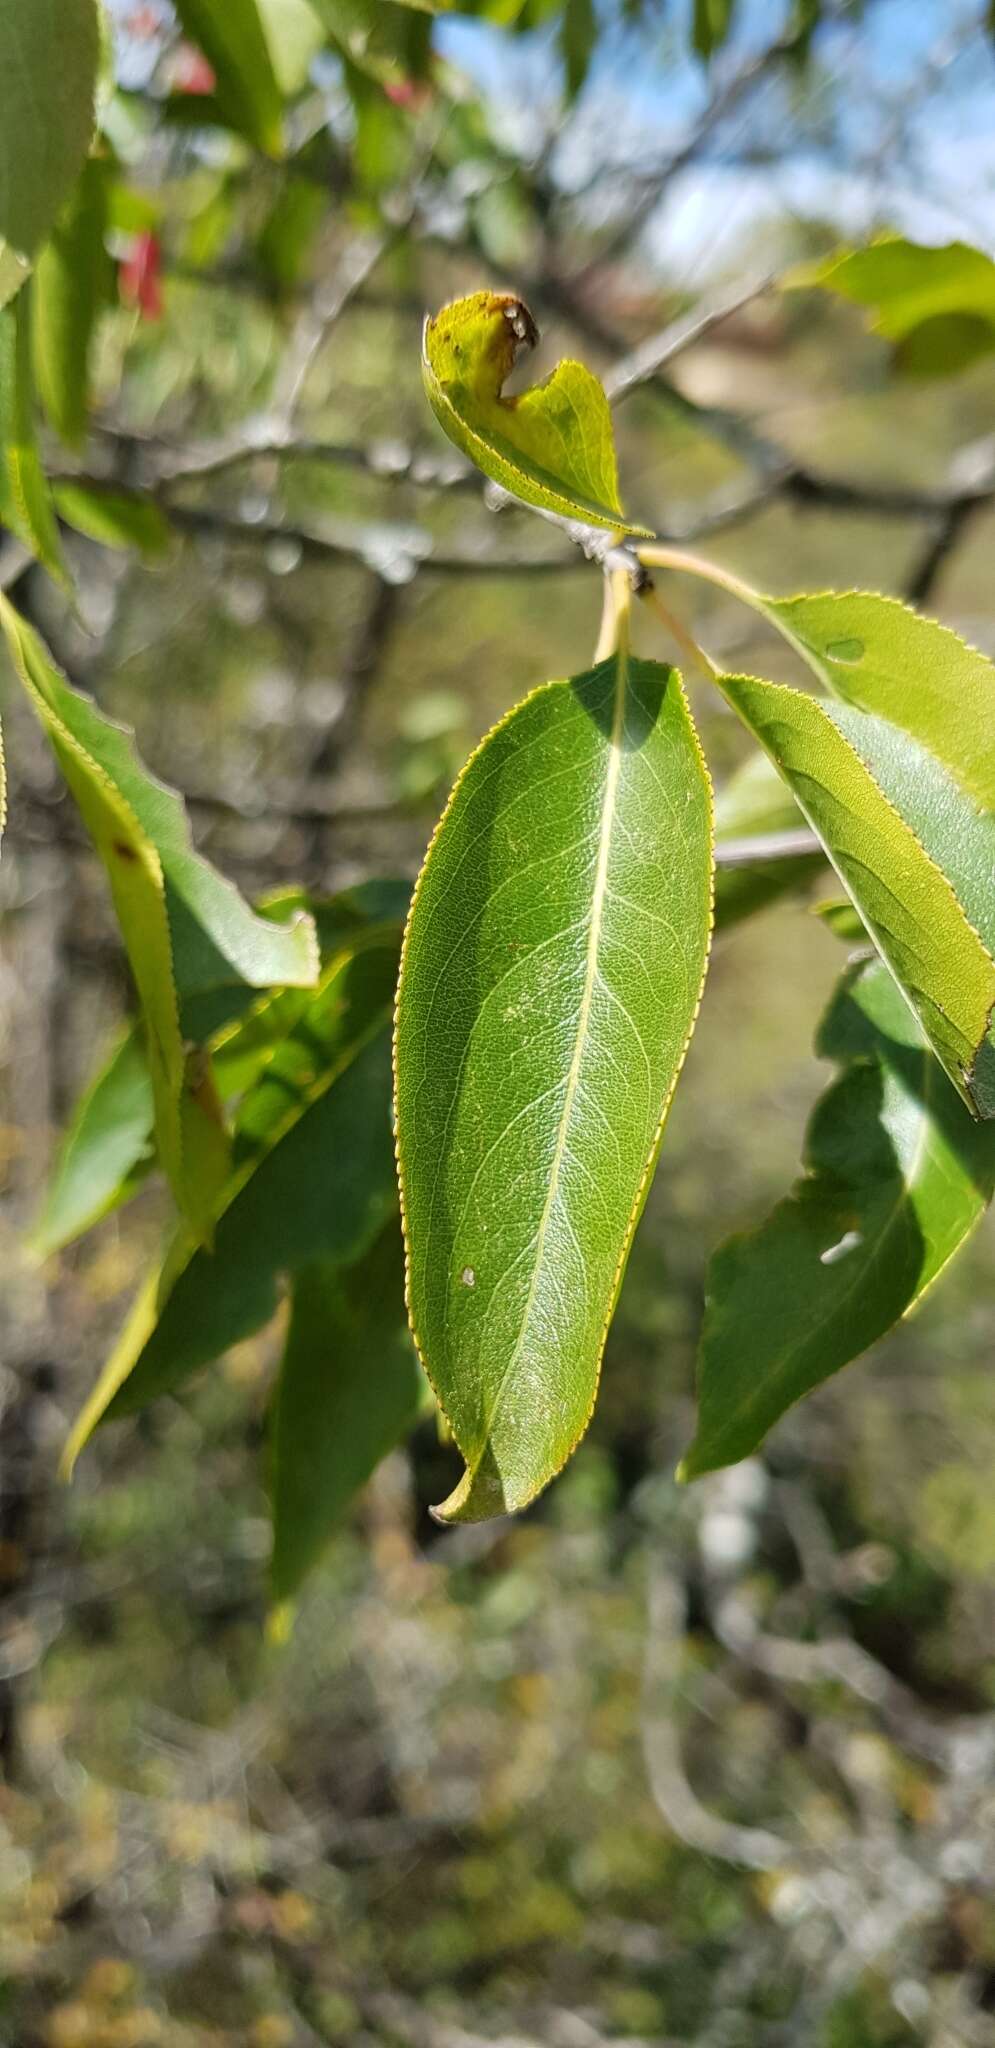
point(711, 1767)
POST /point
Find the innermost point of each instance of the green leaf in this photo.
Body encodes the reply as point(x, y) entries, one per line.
point(294, 35)
point(349, 1388)
point(874, 652)
point(554, 446)
point(711, 25)
point(73, 283)
point(897, 1174)
point(184, 926)
point(118, 519)
point(755, 806)
point(578, 36)
point(49, 59)
point(14, 271)
point(552, 969)
point(104, 1149)
point(913, 853)
point(937, 304)
point(234, 41)
point(314, 1179)
point(25, 497)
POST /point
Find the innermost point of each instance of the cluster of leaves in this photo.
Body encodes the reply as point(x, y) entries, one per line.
point(555, 952)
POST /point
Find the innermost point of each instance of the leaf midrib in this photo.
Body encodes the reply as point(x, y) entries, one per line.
point(598, 899)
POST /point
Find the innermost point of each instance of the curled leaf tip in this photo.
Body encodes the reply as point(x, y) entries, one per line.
point(551, 446)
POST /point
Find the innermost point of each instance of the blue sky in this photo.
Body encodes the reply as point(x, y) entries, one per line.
point(897, 126)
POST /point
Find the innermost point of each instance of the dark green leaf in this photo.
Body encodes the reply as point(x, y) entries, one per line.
point(234, 41)
point(74, 281)
point(712, 22)
point(552, 969)
point(104, 1149)
point(184, 926)
point(349, 1388)
point(897, 1174)
point(49, 58)
point(118, 519)
point(315, 1180)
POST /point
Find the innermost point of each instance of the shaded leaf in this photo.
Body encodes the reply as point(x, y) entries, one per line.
point(25, 496)
point(553, 447)
point(49, 60)
point(247, 93)
point(915, 856)
point(118, 519)
point(74, 281)
point(314, 1180)
point(578, 36)
point(349, 1388)
point(711, 24)
point(897, 1175)
point(755, 806)
point(552, 968)
point(101, 1156)
point(184, 926)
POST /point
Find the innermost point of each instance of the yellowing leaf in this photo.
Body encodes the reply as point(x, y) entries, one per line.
point(553, 447)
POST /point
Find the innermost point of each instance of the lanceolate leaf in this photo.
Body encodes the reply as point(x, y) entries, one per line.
point(109, 1136)
point(897, 1174)
point(49, 58)
point(552, 969)
point(315, 1180)
point(874, 652)
point(711, 25)
point(916, 857)
point(183, 925)
point(73, 282)
point(234, 41)
point(553, 447)
point(25, 497)
point(349, 1388)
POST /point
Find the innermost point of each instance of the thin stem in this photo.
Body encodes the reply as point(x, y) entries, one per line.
point(656, 555)
point(679, 632)
point(615, 616)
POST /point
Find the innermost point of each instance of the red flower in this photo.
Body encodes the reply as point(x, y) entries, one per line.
point(141, 283)
point(192, 72)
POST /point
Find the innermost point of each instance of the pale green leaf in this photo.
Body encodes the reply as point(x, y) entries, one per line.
point(897, 1175)
point(553, 447)
point(349, 1388)
point(874, 652)
point(14, 271)
point(552, 969)
point(105, 1147)
point(294, 35)
point(936, 304)
point(49, 59)
point(313, 1179)
point(915, 855)
point(73, 283)
point(234, 41)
